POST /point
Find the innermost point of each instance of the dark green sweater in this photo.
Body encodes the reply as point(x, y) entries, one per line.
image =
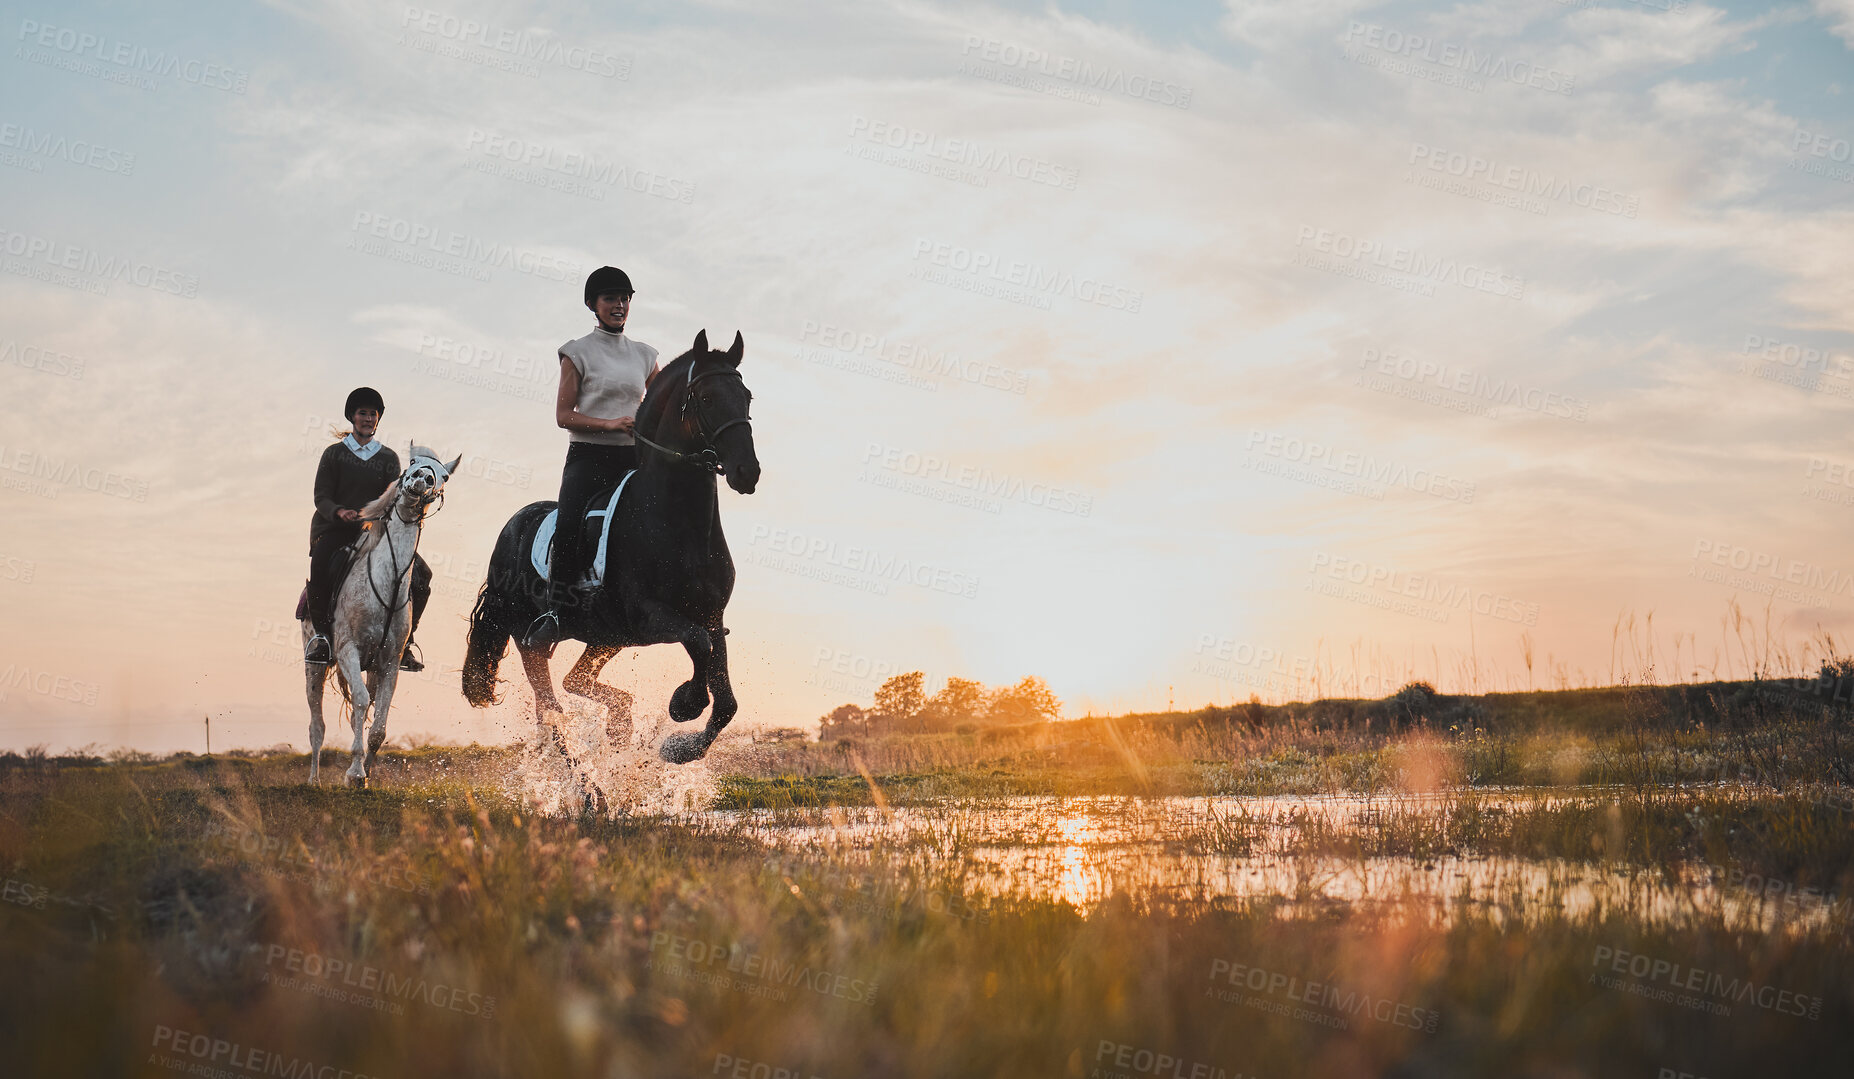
point(345, 482)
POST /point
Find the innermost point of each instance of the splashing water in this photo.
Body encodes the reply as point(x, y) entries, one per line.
point(617, 765)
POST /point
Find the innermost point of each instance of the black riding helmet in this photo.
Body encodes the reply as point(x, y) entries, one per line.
point(364, 397)
point(607, 279)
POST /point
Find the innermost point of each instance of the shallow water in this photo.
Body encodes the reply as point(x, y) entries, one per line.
point(1083, 850)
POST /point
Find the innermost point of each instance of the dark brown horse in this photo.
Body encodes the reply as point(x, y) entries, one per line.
point(668, 573)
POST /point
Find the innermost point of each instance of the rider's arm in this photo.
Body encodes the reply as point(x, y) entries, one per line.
point(326, 475)
point(569, 417)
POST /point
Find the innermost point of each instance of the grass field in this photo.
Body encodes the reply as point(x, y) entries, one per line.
point(1628, 882)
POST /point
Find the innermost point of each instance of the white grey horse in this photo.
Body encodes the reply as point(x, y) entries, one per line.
point(372, 615)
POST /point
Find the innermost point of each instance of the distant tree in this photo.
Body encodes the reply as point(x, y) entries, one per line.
point(844, 721)
point(960, 701)
point(899, 700)
point(1029, 701)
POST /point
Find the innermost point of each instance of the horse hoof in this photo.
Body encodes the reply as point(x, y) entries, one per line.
point(684, 748)
point(687, 702)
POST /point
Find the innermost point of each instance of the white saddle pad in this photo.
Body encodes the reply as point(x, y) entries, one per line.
point(541, 554)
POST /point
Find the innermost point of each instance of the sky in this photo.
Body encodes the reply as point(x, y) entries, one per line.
point(1172, 353)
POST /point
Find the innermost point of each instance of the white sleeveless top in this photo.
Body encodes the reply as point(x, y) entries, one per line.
point(612, 370)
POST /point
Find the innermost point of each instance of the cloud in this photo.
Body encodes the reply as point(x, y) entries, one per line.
point(1840, 16)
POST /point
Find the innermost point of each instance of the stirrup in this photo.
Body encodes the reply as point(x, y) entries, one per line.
point(409, 661)
point(317, 650)
point(543, 632)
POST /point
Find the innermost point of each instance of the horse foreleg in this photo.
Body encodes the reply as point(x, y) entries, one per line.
point(534, 663)
point(315, 677)
point(583, 681)
point(693, 745)
point(691, 697)
point(386, 681)
point(360, 692)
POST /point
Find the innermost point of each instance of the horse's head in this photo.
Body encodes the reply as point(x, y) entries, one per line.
point(713, 411)
point(422, 483)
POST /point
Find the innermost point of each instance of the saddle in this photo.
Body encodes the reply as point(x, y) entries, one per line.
point(596, 530)
point(338, 567)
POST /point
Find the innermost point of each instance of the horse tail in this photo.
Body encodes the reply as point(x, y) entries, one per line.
point(488, 643)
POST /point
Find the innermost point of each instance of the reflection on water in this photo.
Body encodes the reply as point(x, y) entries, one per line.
point(1082, 850)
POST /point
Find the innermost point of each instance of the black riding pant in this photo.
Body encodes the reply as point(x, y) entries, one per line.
point(590, 468)
point(324, 564)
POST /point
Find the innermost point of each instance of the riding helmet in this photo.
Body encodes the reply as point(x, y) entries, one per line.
point(364, 397)
point(607, 279)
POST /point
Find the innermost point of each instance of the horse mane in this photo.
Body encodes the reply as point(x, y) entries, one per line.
point(371, 515)
point(657, 398)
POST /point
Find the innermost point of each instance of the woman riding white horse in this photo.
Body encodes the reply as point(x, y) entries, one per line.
point(352, 473)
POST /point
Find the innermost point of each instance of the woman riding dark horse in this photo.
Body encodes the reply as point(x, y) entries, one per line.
point(353, 472)
point(667, 574)
point(603, 378)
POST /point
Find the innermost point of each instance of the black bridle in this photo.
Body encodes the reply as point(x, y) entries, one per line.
point(708, 457)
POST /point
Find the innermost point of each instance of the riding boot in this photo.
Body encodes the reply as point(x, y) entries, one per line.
point(546, 630)
point(319, 650)
point(421, 594)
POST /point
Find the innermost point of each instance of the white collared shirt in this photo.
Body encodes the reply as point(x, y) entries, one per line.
point(366, 452)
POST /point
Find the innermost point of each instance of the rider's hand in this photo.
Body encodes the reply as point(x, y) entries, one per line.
point(624, 424)
point(348, 515)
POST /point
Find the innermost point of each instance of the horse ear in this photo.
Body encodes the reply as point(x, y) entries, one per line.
point(451, 469)
point(701, 341)
point(736, 350)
